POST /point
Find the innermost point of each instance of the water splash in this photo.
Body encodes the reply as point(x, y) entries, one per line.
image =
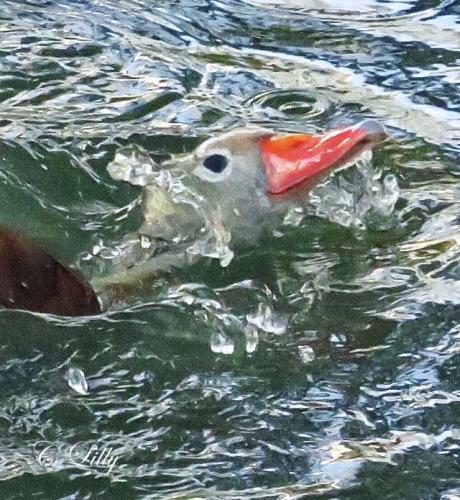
point(174, 209)
point(361, 197)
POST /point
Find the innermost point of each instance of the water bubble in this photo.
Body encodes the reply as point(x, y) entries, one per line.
point(77, 381)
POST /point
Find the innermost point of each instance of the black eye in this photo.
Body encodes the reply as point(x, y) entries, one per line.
point(216, 163)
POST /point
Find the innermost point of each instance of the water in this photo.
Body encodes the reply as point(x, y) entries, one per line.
point(323, 360)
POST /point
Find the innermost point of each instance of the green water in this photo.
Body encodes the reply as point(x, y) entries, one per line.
point(352, 390)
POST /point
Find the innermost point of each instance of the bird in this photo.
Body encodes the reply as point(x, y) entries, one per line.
point(246, 175)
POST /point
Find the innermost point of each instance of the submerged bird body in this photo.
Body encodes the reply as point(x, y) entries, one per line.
point(33, 280)
point(235, 184)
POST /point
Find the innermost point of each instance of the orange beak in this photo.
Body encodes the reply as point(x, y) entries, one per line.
point(291, 159)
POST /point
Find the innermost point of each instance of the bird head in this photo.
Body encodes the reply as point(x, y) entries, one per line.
point(276, 163)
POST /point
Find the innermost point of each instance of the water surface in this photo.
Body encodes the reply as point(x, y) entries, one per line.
point(322, 362)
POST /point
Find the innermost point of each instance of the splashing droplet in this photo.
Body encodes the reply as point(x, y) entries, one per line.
point(145, 242)
point(268, 320)
point(252, 338)
point(306, 353)
point(337, 339)
point(221, 343)
point(77, 381)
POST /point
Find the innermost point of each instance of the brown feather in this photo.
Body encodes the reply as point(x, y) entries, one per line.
point(31, 279)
